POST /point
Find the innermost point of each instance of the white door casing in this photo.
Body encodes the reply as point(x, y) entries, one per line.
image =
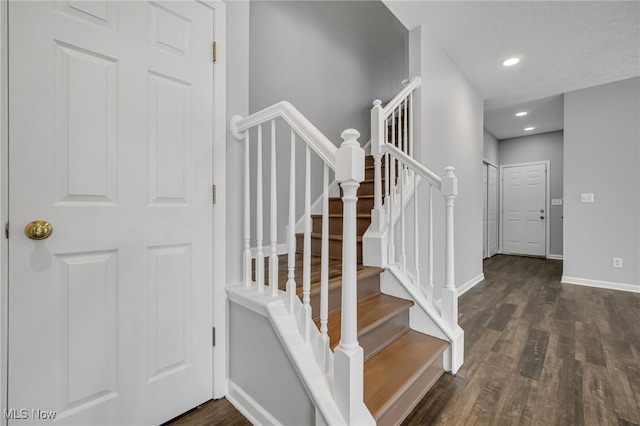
point(524, 209)
point(111, 107)
point(492, 210)
point(485, 215)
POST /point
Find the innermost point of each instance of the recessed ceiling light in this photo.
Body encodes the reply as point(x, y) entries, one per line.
point(520, 114)
point(511, 62)
point(527, 129)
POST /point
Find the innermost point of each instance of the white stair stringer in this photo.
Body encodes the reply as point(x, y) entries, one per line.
point(424, 316)
point(303, 356)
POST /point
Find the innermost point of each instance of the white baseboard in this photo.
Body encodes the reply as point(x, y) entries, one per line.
point(470, 284)
point(601, 284)
point(554, 257)
point(249, 407)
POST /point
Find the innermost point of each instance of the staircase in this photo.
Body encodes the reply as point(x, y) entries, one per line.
point(400, 364)
point(381, 338)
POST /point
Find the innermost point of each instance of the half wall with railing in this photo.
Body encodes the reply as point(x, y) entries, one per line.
point(341, 369)
point(402, 233)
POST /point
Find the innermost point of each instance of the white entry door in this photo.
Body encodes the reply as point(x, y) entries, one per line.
point(110, 141)
point(524, 209)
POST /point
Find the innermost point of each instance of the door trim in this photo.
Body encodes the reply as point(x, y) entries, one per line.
point(546, 201)
point(498, 211)
point(219, 320)
point(4, 197)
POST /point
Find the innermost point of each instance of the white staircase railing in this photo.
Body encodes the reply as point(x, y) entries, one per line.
point(392, 147)
point(345, 364)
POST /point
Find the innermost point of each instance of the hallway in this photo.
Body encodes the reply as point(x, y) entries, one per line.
point(538, 353)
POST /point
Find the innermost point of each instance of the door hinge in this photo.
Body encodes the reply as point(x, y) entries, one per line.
point(213, 194)
point(6, 230)
point(214, 51)
point(214, 336)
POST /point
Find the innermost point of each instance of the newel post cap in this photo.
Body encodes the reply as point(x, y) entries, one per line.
point(350, 158)
point(449, 182)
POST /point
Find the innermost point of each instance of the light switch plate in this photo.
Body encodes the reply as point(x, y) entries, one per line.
point(586, 198)
point(556, 202)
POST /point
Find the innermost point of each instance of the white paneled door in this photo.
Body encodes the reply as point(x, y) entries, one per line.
point(524, 209)
point(110, 141)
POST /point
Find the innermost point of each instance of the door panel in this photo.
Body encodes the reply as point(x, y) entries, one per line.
point(110, 138)
point(524, 208)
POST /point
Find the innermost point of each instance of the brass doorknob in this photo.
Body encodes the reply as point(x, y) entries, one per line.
point(38, 230)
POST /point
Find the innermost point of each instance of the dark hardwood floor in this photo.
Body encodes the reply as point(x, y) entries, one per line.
point(537, 352)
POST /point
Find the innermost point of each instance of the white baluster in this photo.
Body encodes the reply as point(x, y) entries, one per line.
point(403, 232)
point(387, 166)
point(401, 140)
point(291, 246)
point(349, 359)
point(405, 126)
point(411, 125)
point(392, 189)
point(449, 292)
point(387, 184)
point(394, 142)
point(324, 269)
point(306, 255)
point(273, 259)
point(416, 232)
point(247, 212)
point(259, 224)
point(392, 205)
point(430, 248)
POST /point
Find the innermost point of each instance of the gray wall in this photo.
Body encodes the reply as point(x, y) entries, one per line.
point(450, 134)
point(541, 147)
point(331, 60)
point(602, 156)
point(490, 147)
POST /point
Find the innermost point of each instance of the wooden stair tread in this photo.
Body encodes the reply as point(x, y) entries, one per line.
point(391, 371)
point(371, 313)
point(359, 196)
point(336, 281)
point(335, 237)
point(358, 216)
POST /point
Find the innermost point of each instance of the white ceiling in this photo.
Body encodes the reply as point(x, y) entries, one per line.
point(563, 46)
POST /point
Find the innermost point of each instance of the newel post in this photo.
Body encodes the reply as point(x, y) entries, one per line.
point(449, 292)
point(378, 138)
point(348, 356)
